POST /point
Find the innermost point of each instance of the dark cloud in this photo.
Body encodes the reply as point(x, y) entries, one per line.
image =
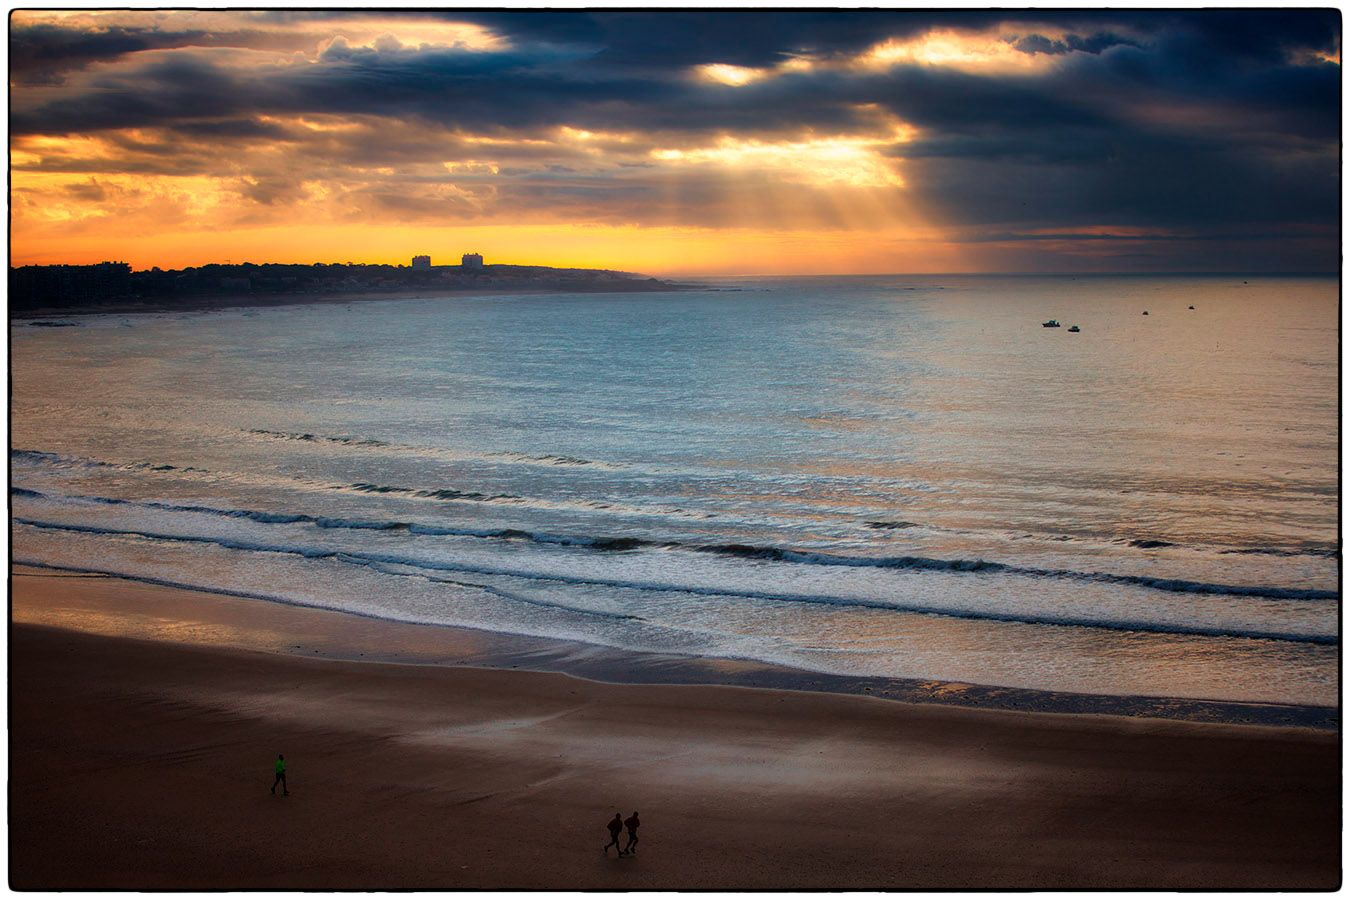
point(46, 54)
point(90, 190)
point(1039, 43)
point(41, 54)
point(540, 83)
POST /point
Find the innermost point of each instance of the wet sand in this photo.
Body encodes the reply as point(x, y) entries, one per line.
point(145, 763)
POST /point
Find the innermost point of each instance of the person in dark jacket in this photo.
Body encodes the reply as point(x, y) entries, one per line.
point(615, 826)
point(631, 823)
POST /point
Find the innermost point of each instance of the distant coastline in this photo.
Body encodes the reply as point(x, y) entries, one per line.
point(112, 287)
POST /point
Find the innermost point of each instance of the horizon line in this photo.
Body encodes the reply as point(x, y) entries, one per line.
point(1273, 273)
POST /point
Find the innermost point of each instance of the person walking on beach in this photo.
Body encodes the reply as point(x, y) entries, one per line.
point(281, 776)
point(631, 823)
point(615, 826)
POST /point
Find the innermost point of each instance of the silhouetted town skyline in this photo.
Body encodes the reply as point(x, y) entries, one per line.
point(115, 283)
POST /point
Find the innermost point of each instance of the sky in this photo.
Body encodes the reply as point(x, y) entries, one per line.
point(678, 142)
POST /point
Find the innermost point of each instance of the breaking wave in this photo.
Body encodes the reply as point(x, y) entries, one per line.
point(742, 551)
point(368, 559)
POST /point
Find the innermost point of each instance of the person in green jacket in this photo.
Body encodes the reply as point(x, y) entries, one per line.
point(281, 776)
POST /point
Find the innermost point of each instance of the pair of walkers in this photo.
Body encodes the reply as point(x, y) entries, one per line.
point(616, 825)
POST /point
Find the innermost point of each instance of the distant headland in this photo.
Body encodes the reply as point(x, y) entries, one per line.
point(115, 287)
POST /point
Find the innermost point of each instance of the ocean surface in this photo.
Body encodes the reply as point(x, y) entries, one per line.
point(896, 476)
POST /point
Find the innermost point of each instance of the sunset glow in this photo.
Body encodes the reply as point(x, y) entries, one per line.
point(975, 53)
point(174, 138)
point(732, 75)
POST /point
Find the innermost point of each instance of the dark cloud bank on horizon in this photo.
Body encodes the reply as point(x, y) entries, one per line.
point(1218, 128)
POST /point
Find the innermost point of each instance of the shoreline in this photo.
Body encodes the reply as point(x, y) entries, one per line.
point(243, 301)
point(142, 732)
point(340, 635)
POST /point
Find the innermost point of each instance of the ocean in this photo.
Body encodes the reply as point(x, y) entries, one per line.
point(895, 476)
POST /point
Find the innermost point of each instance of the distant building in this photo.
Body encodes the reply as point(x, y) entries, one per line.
point(421, 262)
point(472, 261)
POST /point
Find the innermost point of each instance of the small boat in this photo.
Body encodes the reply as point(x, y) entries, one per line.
point(1074, 329)
point(1053, 323)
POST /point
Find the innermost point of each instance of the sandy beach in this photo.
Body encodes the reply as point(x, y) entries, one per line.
point(145, 763)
